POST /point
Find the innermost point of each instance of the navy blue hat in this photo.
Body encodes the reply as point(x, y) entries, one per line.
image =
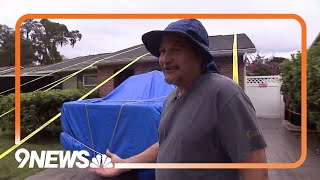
point(192, 29)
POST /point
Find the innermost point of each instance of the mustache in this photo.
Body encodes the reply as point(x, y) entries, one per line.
point(170, 66)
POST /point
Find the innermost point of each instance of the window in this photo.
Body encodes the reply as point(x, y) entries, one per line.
point(89, 80)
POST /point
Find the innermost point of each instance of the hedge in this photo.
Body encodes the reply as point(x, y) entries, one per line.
point(37, 108)
point(291, 86)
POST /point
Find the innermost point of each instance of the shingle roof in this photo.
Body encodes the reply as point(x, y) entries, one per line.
point(225, 42)
point(7, 69)
point(66, 65)
point(220, 45)
point(316, 40)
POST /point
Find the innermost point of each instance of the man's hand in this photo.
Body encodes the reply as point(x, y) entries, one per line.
point(110, 172)
point(147, 156)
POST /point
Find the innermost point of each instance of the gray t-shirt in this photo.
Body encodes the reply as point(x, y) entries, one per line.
point(212, 122)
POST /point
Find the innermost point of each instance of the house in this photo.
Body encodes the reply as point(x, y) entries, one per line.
point(33, 78)
point(220, 48)
point(109, 63)
point(7, 79)
point(316, 41)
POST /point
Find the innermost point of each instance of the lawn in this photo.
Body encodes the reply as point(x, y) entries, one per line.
point(9, 166)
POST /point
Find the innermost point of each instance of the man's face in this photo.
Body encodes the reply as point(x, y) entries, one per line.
point(178, 59)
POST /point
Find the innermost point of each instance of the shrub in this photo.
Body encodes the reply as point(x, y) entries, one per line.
point(37, 108)
point(291, 84)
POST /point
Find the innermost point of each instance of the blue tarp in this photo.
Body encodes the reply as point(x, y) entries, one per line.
point(128, 116)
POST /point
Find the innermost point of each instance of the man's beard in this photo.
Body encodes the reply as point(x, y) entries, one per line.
point(173, 81)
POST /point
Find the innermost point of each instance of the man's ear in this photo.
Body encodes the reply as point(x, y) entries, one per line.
point(199, 54)
point(201, 57)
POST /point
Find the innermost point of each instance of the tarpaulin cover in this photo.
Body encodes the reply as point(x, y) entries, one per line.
point(125, 121)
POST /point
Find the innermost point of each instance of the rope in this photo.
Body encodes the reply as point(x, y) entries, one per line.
point(119, 114)
point(67, 68)
point(7, 112)
point(89, 66)
point(115, 127)
point(59, 114)
point(83, 144)
point(118, 118)
point(46, 74)
point(77, 72)
point(9, 69)
point(293, 112)
point(88, 121)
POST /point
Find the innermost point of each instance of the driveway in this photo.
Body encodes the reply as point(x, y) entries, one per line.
point(283, 147)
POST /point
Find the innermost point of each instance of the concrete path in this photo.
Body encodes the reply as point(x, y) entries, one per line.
point(283, 147)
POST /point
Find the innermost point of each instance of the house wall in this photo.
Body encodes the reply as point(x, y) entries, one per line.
point(70, 83)
point(106, 71)
point(146, 67)
point(225, 64)
point(75, 81)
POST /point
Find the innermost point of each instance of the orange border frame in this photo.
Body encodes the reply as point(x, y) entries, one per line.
point(179, 16)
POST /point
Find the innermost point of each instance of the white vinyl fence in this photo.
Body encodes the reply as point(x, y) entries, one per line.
point(264, 92)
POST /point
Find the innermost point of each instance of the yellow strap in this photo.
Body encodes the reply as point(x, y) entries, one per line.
point(59, 81)
point(59, 114)
point(235, 60)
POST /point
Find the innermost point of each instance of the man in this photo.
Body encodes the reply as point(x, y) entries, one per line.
point(206, 119)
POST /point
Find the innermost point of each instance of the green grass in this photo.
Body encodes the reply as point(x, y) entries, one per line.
point(9, 166)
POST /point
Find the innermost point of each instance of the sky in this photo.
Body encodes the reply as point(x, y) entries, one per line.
point(271, 37)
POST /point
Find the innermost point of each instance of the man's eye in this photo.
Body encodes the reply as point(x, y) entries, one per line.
point(176, 49)
point(161, 51)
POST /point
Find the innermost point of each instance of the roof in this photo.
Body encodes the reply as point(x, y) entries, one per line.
point(73, 64)
point(221, 45)
point(7, 69)
point(10, 70)
point(316, 40)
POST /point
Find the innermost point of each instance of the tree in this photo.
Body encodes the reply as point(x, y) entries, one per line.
point(39, 42)
point(28, 56)
point(262, 66)
point(6, 46)
point(313, 84)
point(291, 84)
point(46, 36)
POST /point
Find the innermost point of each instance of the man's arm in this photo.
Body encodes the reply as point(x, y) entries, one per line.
point(258, 156)
point(240, 132)
point(147, 156)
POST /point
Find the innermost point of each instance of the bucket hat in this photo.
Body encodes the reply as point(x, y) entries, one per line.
point(192, 29)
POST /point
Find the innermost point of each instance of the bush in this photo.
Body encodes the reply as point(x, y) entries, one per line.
point(291, 85)
point(37, 108)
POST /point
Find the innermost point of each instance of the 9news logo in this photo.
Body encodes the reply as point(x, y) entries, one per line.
point(61, 159)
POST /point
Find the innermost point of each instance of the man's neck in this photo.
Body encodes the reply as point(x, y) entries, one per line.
point(185, 85)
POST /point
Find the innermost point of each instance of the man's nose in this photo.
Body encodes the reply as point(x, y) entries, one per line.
point(166, 57)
